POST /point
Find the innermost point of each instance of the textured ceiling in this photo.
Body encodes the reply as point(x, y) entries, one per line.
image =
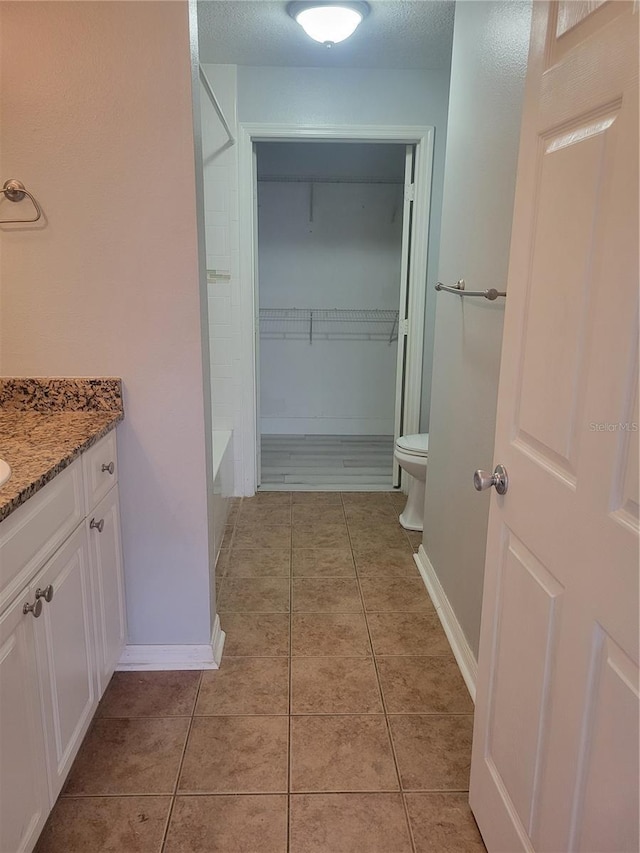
point(396, 34)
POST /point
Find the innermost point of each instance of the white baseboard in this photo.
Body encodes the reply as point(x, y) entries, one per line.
point(459, 645)
point(138, 658)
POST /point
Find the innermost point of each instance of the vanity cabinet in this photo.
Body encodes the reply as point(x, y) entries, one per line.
point(60, 636)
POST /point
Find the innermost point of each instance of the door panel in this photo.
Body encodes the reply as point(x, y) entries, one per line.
point(610, 726)
point(528, 611)
point(108, 587)
point(24, 796)
point(559, 637)
point(569, 198)
point(572, 12)
point(64, 643)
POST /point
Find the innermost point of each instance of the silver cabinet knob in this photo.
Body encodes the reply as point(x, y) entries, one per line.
point(110, 468)
point(97, 525)
point(35, 609)
point(484, 480)
point(46, 593)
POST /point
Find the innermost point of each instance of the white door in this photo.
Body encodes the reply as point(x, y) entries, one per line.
point(555, 755)
point(403, 307)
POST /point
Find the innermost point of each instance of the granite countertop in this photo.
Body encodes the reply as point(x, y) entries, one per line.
point(47, 423)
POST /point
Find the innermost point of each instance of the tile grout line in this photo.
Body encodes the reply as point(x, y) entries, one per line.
point(358, 658)
point(184, 752)
point(221, 794)
point(375, 667)
point(149, 796)
point(384, 707)
point(393, 746)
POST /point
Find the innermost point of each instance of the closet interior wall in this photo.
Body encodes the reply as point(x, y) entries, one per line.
point(325, 244)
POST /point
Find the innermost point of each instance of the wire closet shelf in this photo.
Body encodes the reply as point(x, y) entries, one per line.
point(329, 324)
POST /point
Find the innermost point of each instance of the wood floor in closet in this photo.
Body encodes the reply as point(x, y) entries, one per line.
point(327, 462)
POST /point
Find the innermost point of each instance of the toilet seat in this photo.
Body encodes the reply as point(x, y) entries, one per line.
point(414, 445)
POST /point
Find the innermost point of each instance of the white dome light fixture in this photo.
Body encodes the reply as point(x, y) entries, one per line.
point(328, 22)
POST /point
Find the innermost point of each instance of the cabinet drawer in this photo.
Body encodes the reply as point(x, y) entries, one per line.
point(100, 465)
point(32, 533)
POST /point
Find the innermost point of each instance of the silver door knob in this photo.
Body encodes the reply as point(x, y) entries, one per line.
point(97, 525)
point(110, 468)
point(46, 593)
point(35, 609)
point(484, 480)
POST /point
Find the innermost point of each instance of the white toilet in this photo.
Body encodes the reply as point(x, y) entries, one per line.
point(411, 455)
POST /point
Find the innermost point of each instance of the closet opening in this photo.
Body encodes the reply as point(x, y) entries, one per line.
point(332, 249)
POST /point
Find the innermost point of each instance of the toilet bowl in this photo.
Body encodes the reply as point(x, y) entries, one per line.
point(411, 455)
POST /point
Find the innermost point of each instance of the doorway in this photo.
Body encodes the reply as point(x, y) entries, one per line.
point(330, 369)
point(337, 307)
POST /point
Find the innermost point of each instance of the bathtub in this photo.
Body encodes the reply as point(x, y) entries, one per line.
point(222, 483)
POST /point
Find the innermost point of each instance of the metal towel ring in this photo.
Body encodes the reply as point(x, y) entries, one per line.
point(15, 191)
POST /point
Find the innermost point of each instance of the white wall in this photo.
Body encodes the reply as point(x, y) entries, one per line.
point(318, 96)
point(339, 248)
point(97, 121)
point(487, 77)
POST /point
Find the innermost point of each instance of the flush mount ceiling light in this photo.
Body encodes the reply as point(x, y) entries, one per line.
point(328, 23)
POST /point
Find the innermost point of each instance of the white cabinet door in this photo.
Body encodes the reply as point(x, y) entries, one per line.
point(64, 649)
point(108, 586)
point(24, 795)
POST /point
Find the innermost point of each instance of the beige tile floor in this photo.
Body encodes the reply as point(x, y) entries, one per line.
point(337, 723)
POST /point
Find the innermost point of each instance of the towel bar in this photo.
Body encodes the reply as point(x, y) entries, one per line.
point(458, 288)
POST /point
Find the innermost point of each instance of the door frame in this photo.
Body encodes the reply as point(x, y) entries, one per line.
point(249, 133)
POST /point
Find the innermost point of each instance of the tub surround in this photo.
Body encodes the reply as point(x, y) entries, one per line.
point(47, 423)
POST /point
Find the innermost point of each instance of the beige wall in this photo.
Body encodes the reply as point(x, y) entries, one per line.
point(490, 47)
point(97, 121)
